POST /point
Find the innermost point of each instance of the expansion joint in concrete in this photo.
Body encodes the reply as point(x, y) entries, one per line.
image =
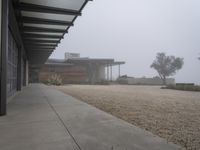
point(65, 126)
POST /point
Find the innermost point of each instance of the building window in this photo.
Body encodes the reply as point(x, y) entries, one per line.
point(12, 65)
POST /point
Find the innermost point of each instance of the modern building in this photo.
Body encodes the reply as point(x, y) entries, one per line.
point(76, 69)
point(30, 31)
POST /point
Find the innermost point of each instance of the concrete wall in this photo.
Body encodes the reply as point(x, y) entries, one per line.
point(68, 74)
point(73, 74)
point(71, 55)
point(146, 81)
point(96, 73)
point(101, 73)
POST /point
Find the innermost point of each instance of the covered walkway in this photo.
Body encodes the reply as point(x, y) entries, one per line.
point(42, 118)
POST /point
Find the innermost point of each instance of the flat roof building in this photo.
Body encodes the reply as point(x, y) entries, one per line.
point(76, 69)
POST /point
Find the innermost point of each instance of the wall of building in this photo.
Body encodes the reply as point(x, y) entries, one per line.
point(146, 81)
point(68, 74)
point(101, 73)
point(95, 73)
point(71, 55)
point(12, 55)
point(75, 74)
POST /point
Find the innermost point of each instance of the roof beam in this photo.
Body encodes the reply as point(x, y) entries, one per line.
point(46, 9)
point(38, 29)
point(38, 47)
point(45, 21)
point(38, 44)
point(39, 50)
point(41, 41)
point(31, 35)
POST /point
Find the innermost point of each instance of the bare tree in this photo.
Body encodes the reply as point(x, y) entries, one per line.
point(166, 65)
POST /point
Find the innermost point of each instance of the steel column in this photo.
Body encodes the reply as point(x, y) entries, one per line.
point(119, 69)
point(3, 56)
point(107, 72)
point(111, 72)
point(19, 70)
point(27, 72)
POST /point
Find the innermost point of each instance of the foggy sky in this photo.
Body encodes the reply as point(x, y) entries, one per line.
point(134, 31)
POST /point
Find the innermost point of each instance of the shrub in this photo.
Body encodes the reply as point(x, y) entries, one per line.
point(55, 80)
point(103, 82)
point(184, 87)
point(122, 80)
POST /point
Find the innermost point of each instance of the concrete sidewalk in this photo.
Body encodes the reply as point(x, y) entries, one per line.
point(42, 118)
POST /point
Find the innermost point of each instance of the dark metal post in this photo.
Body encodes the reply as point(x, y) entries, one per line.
point(3, 55)
point(111, 72)
point(24, 72)
point(27, 72)
point(107, 72)
point(19, 70)
point(119, 71)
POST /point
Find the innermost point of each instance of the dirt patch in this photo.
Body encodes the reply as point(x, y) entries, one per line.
point(171, 114)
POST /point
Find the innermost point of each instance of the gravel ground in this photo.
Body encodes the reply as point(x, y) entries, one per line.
point(171, 114)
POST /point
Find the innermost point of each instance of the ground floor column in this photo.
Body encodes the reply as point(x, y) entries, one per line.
point(107, 72)
point(111, 72)
point(119, 70)
point(27, 72)
point(3, 54)
point(19, 70)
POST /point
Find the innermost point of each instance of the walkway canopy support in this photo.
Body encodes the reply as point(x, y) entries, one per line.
point(119, 70)
point(36, 27)
point(3, 54)
point(115, 63)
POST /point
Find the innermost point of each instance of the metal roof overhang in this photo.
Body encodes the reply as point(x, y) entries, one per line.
point(118, 63)
point(90, 61)
point(110, 62)
point(43, 24)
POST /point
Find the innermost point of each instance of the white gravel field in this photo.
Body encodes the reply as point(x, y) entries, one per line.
point(171, 114)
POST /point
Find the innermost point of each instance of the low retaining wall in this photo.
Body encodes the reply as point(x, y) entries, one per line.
point(146, 81)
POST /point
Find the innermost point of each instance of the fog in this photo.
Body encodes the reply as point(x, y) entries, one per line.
point(134, 31)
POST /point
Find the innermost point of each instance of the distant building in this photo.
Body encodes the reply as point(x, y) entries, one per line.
point(71, 55)
point(76, 69)
point(144, 81)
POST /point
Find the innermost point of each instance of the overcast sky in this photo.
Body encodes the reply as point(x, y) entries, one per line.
point(134, 31)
